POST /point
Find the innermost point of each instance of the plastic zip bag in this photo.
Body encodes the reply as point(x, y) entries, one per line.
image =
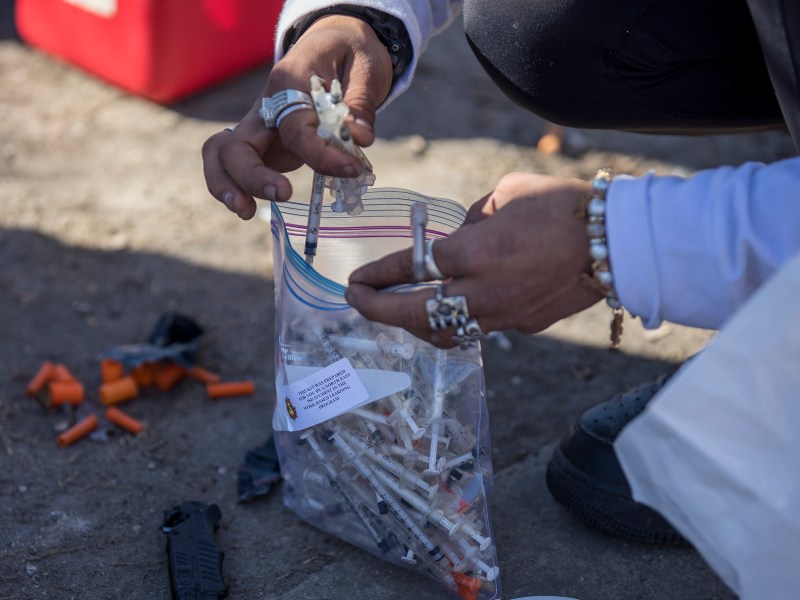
point(383, 439)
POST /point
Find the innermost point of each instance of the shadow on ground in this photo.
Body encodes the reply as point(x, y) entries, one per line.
point(83, 521)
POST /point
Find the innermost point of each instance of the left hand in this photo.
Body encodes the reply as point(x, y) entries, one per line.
point(519, 259)
point(249, 162)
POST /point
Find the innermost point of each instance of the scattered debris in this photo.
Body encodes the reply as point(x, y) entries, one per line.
point(168, 357)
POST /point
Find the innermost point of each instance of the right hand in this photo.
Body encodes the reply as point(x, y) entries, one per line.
point(520, 259)
point(248, 163)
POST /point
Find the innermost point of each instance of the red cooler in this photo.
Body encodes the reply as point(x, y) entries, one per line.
point(160, 49)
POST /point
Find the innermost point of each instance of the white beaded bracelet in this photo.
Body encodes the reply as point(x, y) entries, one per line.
point(602, 279)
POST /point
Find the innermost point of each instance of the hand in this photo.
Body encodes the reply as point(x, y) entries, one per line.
point(247, 163)
point(519, 259)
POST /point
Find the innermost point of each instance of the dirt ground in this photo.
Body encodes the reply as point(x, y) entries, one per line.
point(105, 224)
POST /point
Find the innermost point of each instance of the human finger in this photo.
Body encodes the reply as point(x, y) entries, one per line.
point(298, 135)
point(219, 183)
point(398, 267)
point(243, 162)
point(410, 311)
point(396, 308)
point(475, 212)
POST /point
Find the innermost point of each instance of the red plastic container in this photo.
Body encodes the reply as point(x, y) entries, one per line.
point(160, 49)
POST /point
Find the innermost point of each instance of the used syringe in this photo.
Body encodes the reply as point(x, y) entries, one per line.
point(314, 216)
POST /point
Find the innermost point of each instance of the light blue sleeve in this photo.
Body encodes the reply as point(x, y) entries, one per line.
point(692, 250)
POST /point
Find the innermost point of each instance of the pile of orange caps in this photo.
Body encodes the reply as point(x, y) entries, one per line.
point(120, 386)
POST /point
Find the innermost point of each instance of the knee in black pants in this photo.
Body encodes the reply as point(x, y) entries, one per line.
point(677, 66)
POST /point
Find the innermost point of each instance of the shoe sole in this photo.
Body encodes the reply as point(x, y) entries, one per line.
point(602, 507)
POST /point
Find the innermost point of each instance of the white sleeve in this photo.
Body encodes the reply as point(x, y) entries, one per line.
point(692, 250)
point(423, 19)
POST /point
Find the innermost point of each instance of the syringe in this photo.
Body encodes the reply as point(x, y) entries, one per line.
point(436, 414)
point(394, 504)
point(419, 219)
point(314, 217)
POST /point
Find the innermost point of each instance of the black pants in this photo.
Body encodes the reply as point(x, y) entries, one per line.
point(670, 66)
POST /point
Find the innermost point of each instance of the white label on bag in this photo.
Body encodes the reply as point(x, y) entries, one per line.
point(323, 395)
point(103, 8)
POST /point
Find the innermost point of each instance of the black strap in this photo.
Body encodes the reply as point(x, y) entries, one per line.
point(390, 31)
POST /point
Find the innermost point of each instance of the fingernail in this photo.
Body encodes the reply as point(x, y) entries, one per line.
point(349, 171)
point(270, 192)
point(227, 200)
point(348, 296)
point(362, 123)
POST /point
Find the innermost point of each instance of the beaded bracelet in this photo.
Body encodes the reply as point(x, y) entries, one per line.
point(593, 209)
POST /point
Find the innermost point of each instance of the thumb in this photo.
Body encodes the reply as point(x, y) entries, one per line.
point(479, 211)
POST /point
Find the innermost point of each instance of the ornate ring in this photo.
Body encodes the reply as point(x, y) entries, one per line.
point(446, 311)
point(289, 110)
point(273, 106)
point(431, 268)
point(468, 334)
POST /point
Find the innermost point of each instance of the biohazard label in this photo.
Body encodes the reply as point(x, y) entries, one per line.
point(323, 395)
point(103, 8)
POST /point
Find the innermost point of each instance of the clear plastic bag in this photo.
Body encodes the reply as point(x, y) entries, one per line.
point(383, 439)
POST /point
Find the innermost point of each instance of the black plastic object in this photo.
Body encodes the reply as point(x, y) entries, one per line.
point(174, 337)
point(258, 472)
point(174, 328)
point(195, 561)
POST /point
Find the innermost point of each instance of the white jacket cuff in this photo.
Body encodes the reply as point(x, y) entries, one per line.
point(422, 18)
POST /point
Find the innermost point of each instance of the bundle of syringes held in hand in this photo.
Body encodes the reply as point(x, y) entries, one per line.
point(404, 476)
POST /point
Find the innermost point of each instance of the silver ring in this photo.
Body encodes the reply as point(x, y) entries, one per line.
point(446, 311)
point(289, 110)
point(468, 334)
point(230, 129)
point(273, 106)
point(431, 268)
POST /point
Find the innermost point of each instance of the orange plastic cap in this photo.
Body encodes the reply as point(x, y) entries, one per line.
point(66, 392)
point(120, 419)
point(143, 374)
point(43, 376)
point(118, 391)
point(203, 375)
point(230, 388)
point(62, 373)
point(168, 375)
point(111, 370)
point(78, 431)
point(468, 587)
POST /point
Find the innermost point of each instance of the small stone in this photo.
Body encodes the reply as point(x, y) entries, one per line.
point(417, 144)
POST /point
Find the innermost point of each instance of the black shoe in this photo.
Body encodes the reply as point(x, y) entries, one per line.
point(585, 476)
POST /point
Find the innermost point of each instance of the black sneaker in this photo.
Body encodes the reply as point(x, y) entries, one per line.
point(585, 476)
